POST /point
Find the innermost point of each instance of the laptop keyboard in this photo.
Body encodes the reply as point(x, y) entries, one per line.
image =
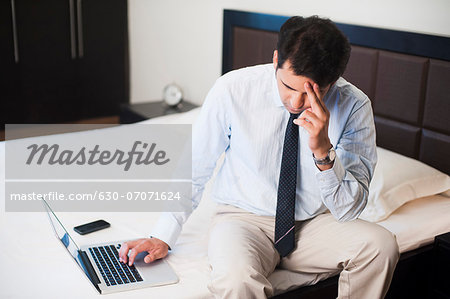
point(113, 271)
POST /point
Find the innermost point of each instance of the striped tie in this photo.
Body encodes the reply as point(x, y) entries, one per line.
point(285, 217)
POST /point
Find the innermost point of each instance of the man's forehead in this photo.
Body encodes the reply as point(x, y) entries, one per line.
point(295, 82)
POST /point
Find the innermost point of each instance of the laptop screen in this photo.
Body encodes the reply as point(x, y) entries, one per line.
point(66, 239)
point(61, 232)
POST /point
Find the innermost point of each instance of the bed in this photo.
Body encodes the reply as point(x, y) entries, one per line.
point(413, 132)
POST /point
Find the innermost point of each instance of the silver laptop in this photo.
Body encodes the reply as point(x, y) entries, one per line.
point(100, 263)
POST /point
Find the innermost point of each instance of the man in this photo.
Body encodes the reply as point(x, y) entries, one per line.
point(299, 141)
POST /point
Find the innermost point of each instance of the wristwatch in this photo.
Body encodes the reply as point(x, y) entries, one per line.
point(328, 159)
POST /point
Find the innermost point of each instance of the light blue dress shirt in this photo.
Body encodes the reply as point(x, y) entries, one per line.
point(244, 117)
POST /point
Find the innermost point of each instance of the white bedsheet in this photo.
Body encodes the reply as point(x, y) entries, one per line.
point(34, 264)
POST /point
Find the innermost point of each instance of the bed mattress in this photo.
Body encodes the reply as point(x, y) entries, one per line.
point(30, 250)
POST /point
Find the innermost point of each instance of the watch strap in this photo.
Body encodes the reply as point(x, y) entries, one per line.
point(326, 160)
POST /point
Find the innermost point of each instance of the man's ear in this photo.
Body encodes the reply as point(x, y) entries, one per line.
point(275, 59)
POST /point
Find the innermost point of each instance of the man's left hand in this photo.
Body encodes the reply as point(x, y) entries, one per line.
point(315, 120)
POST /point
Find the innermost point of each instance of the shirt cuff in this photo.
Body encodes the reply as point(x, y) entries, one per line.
point(167, 229)
point(332, 177)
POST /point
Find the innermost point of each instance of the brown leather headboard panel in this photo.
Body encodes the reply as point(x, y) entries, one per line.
point(410, 94)
point(434, 149)
point(411, 101)
point(362, 69)
point(251, 47)
point(400, 87)
point(437, 100)
point(397, 136)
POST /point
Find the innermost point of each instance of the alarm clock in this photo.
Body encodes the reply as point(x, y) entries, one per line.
point(172, 95)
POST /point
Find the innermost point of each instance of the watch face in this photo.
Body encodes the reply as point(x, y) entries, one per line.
point(332, 154)
point(172, 95)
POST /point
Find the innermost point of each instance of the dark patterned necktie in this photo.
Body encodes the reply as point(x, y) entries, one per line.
point(285, 217)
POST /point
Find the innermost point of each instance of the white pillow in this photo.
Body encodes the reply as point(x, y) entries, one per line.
point(397, 180)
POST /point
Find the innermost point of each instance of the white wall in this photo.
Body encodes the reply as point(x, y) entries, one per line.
point(181, 41)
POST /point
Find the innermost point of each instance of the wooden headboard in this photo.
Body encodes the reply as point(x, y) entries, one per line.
point(406, 75)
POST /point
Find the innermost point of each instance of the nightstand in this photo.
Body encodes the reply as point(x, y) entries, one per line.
point(131, 113)
point(441, 274)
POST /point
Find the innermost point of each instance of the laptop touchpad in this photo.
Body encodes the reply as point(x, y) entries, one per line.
point(139, 260)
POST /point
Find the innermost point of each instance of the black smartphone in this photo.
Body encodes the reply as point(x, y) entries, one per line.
point(91, 227)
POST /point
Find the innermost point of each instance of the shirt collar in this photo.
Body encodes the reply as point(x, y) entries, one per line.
point(276, 95)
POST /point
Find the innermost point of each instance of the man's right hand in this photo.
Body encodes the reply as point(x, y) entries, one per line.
point(156, 249)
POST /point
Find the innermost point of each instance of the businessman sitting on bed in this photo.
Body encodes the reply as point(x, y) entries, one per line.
point(300, 152)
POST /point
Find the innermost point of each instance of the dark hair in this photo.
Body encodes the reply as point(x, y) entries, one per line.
point(315, 48)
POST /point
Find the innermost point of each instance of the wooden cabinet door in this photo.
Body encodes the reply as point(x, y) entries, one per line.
point(103, 67)
point(46, 41)
point(12, 108)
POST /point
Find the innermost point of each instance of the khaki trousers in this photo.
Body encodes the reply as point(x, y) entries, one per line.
point(242, 255)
